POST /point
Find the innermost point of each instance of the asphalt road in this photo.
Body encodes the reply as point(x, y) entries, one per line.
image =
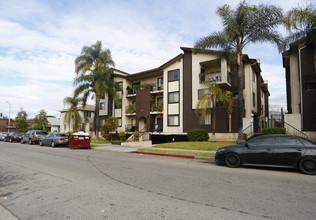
point(59, 183)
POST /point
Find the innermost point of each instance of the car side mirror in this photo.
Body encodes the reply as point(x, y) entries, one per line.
point(247, 145)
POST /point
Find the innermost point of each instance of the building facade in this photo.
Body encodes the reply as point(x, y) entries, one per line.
point(163, 100)
point(299, 63)
point(86, 115)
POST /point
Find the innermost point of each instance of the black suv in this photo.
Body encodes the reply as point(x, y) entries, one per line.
point(33, 136)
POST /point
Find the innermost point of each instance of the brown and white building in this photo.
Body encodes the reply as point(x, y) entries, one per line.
point(300, 69)
point(163, 100)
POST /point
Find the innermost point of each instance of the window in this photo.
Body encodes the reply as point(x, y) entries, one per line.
point(202, 92)
point(261, 141)
point(119, 122)
point(118, 104)
point(102, 122)
point(253, 99)
point(310, 86)
point(206, 120)
point(160, 83)
point(120, 85)
point(173, 97)
point(173, 120)
point(159, 101)
point(88, 114)
point(102, 105)
point(173, 75)
point(286, 141)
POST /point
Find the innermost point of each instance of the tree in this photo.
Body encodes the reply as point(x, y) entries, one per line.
point(110, 125)
point(208, 102)
point(20, 121)
point(41, 121)
point(94, 69)
point(72, 115)
point(300, 22)
point(242, 26)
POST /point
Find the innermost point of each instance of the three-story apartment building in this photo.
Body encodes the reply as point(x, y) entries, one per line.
point(163, 100)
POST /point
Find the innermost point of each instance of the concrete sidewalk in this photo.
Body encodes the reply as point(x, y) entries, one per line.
point(5, 214)
point(131, 149)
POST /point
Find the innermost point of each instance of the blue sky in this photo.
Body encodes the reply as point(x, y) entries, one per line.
point(39, 41)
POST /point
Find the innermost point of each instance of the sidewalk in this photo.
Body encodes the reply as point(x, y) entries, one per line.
point(6, 214)
point(133, 149)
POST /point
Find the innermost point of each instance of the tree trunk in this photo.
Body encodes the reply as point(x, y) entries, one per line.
point(213, 122)
point(230, 123)
point(96, 117)
point(240, 65)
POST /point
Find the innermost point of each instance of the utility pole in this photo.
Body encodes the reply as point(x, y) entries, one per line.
point(9, 116)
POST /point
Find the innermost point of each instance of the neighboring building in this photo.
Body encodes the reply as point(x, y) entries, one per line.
point(53, 124)
point(163, 100)
point(86, 115)
point(4, 122)
point(299, 63)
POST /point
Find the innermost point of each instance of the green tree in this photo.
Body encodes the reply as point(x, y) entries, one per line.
point(244, 25)
point(110, 125)
point(94, 69)
point(40, 121)
point(72, 115)
point(208, 102)
point(20, 121)
point(301, 22)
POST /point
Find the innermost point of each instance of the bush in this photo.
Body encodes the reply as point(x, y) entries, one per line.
point(110, 125)
point(136, 136)
point(116, 142)
point(122, 136)
point(276, 130)
point(198, 135)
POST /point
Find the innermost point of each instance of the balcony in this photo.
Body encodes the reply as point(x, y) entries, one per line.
point(130, 110)
point(215, 71)
point(156, 108)
point(130, 128)
point(154, 89)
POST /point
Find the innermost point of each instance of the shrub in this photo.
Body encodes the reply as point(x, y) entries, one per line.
point(198, 135)
point(122, 136)
point(136, 136)
point(116, 142)
point(275, 130)
point(110, 125)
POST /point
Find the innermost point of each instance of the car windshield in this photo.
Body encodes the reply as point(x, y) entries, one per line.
point(42, 132)
point(61, 135)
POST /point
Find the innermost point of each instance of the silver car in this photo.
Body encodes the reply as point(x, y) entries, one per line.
point(3, 135)
point(54, 139)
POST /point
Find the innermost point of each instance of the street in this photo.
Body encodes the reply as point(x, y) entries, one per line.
point(59, 183)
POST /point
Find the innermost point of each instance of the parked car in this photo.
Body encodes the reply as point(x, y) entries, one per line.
point(33, 136)
point(54, 139)
point(3, 135)
point(273, 151)
point(13, 137)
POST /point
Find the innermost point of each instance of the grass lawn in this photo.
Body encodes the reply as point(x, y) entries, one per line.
point(185, 153)
point(196, 145)
point(97, 145)
point(99, 142)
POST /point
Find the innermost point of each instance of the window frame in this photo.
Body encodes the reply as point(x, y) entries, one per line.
point(173, 102)
point(174, 125)
point(173, 78)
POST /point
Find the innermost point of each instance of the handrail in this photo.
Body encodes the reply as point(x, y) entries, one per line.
point(247, 128)
point(296, 131)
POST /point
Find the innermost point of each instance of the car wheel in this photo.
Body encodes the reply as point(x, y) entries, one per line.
point(232, 160)
point(11, 140)
point(307, 165)
point(53, 144)
point(30, 142)
point(5, 140)
point(22, 142)
point(41, 143)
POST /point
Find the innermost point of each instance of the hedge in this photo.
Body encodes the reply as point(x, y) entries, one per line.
point(275, 130)
point(198, 135)
point(116, 142)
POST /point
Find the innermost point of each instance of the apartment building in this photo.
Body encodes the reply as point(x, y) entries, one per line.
point(300, 71)
point(163, 100)
point(86, 115)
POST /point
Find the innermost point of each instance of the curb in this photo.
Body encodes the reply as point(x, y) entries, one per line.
point(173, 155)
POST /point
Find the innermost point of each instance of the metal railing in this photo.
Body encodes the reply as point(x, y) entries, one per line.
point(293, 131)
point(130, 109)
point(248, 131)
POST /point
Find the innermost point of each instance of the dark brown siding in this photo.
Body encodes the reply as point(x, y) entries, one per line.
point(288, 90)
point(309, 100)
point(258, 80)
point(143, 106)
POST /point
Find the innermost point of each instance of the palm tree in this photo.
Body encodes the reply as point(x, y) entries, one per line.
point(303, 22)
point(72, 115)
point(208, 102)
point(242, 26)
point(94, 69)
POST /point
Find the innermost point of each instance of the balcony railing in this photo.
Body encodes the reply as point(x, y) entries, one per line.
point(155, 107)
point(130, 128)
point(215, 76)
point(131, 109)
point(155, 88)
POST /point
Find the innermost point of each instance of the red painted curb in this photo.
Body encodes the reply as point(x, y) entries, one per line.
point(166, 155)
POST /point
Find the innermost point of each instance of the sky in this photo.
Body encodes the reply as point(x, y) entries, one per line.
point(39, 41)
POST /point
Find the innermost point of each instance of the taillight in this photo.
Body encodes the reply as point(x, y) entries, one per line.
point(34, 136)
point(61, 139)
point(15, 136)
